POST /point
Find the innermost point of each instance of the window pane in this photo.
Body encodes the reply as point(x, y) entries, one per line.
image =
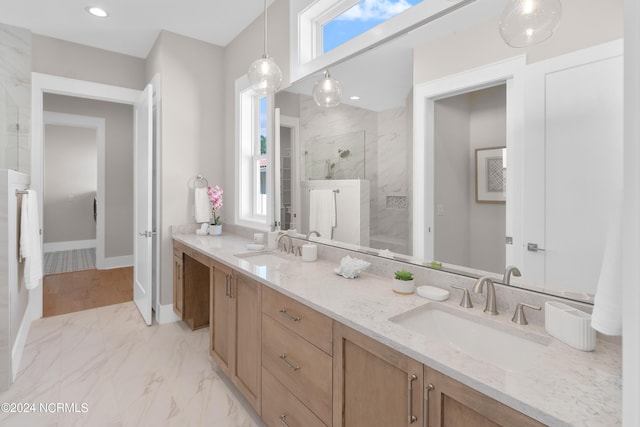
point(261, 187)
point(360, 18)
point(263, 125)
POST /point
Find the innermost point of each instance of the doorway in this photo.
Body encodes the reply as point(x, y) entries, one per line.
point(83, 90)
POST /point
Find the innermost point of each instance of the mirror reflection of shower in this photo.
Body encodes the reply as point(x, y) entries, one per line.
point(336, 157)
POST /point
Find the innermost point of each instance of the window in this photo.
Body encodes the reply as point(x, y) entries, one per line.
point(251, 156)
point(360, 18)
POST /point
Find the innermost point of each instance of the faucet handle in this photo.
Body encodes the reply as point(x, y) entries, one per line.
point(518, 315)
point(466, 299)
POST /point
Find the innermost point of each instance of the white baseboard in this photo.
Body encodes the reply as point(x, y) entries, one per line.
point(21, 340)
point(117, 262)
point(69, 246)
point(165, 314)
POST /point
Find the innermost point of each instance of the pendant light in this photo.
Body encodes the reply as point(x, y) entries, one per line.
point(528, 22)
point(264, 74)
point(327, 91)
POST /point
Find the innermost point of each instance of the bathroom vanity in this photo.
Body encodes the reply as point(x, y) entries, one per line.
point(307, 347)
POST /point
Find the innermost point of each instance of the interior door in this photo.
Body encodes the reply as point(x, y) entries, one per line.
point(143, 198)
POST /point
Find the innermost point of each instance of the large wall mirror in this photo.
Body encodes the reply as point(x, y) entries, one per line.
point(451, 146)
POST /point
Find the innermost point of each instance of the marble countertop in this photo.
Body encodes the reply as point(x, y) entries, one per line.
point(563, 386)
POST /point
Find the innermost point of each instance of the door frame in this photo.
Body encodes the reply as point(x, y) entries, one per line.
point(98, 124)
point(506, 72)
point(46, 83)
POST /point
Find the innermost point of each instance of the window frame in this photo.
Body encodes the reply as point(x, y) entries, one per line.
point(307, 17)
point(247, 149)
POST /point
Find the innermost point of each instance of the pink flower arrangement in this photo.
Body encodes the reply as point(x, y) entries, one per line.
point(215, 198)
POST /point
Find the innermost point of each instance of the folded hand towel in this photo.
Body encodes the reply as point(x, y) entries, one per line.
point(322, 212)
point(30, 246)
point(202, 205)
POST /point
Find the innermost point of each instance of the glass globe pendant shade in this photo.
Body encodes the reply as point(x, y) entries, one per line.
point(528, 22)
point(327, 91)
point(265, 76)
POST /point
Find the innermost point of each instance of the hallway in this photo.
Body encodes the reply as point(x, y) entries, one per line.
point(82, 290)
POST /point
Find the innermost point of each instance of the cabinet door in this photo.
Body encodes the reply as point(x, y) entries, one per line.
point(220, 315)
point(453, 404)
point(374, 385)
point(245, 298)
point(178, 286)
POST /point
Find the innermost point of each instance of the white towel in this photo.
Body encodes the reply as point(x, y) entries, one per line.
point(202, 205)
point(322, 212)
point(30, 246)
point(607, 304)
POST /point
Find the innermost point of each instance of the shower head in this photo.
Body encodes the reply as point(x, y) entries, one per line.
point(344, 153)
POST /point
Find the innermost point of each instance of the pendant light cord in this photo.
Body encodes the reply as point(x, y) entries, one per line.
point(265, 29)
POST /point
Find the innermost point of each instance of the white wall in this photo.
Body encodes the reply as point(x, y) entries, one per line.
point(118, 165)
point(193, 140)
point(70, 183)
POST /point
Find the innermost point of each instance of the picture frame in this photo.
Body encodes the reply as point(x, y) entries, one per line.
point(491, 175)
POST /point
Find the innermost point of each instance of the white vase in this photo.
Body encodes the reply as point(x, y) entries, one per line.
point(404, 287)
point(215, 230)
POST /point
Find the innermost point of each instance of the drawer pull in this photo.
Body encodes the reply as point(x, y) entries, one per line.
point(412, 418)
point(294, 368)
point(283, 420)
point(226, 286)
point(427, 389)
point(283, 311)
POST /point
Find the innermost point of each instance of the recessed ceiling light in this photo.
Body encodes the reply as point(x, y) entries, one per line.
point(97, 11)
point(354, 97)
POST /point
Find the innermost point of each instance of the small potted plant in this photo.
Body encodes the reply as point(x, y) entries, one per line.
point(215, 198)
point(403, 282)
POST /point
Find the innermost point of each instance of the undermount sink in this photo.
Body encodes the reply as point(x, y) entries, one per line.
point(263, 259)
point(474, 336)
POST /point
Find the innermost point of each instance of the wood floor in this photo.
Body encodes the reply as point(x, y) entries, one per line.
point(81, 290)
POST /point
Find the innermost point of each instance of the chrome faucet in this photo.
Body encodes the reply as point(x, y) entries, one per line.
point(284, 245)
point(490, 306)
point(506, 277)
point(313, 232)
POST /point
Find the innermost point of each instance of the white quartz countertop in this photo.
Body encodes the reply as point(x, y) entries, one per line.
point(563, 386)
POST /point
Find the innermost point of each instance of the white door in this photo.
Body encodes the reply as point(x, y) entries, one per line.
point(143, 198)
point(576, 143)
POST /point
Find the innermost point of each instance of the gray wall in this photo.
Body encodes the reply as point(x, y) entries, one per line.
point(70, 183)
point(76, 61)
point(193, 139)
point(584, 23)
point(119, 165)
point(466, 232)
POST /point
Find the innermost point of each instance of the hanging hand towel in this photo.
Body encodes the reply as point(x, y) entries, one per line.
point(30, 246)
point(607, 304)
point(202, 205)
point(322, 212)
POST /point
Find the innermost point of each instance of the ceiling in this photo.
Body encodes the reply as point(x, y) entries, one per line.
point(133, 25)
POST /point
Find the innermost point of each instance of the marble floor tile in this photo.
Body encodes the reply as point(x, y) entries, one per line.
point(110, 369)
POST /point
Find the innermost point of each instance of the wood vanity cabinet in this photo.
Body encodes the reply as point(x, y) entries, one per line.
point(452, 404)
point(374, 385)
point(297, 363)
point(192, 280)
point(236, 330)
point(178, 283)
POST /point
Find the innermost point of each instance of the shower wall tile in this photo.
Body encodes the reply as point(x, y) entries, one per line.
point(15, 76)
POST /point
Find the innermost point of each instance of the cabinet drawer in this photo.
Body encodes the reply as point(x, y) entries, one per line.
point(301, 367)
point(278, 405)
point(306, 322)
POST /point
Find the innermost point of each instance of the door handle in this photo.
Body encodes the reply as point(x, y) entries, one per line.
point(425, 411)
point(412, 418)
point(148, 233)
point(533, 247)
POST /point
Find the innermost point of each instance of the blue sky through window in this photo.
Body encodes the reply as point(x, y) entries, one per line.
point(360, 18)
